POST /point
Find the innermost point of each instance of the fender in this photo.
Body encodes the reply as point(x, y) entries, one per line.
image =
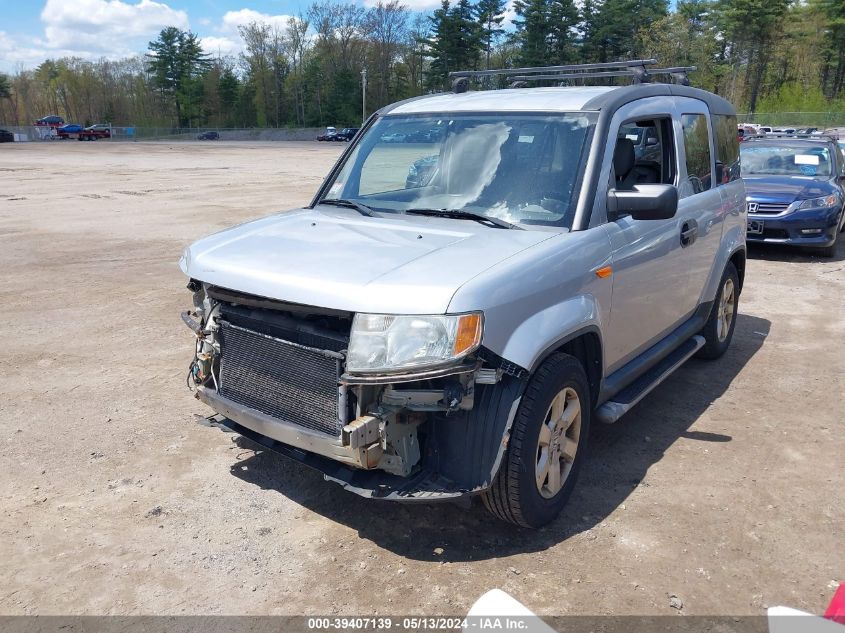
point(546, 331)
point(733, 241)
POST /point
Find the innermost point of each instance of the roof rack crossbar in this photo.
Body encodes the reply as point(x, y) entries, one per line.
point(639, 64)
point(592, 75)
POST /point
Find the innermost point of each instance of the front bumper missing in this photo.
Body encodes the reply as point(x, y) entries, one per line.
point(291, 434)
point(424, 486)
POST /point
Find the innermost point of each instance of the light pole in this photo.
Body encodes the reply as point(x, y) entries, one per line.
point(363, 96)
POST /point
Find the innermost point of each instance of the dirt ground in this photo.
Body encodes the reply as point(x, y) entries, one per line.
point(723, 487)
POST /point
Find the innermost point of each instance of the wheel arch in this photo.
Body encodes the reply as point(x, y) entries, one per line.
point(585, 345)
point(738, 259)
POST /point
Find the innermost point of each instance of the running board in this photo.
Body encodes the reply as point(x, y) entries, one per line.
point(623, 401)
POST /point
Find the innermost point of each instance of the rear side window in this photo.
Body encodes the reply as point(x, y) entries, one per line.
point(727, 148)
point(697, 148)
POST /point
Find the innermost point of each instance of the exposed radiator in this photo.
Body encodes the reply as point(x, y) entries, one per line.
point(291, 382)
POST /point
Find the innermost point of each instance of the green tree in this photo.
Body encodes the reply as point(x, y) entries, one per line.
point(751, 28)
point(176, 61)
point(533, 31)
point(563, 21)
point(491, 14)
point(5, 87)
point(611, 28)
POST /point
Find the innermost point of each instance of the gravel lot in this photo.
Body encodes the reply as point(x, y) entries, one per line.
point(723, 487)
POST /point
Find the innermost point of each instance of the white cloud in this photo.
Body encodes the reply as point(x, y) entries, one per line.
point(510, 14)
point(106, 27)
point(229, 41)
point(221, 46)
point(413, 5)
point(233, 19)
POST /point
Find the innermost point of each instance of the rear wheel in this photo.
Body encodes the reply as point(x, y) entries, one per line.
point(548, 442)
point(719, 329)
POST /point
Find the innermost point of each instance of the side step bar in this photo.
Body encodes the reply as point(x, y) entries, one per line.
point(623, 401)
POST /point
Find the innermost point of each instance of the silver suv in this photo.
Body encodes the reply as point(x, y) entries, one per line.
point(422, 339)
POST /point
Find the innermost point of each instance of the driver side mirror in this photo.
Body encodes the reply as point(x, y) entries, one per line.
point(651, 140)
point(643, 202)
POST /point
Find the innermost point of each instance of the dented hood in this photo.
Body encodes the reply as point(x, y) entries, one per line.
point(336, 258)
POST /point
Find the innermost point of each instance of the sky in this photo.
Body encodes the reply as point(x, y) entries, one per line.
point(34, 30)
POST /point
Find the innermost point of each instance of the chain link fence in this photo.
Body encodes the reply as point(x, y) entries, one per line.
point(794, 119)
point(129, 133)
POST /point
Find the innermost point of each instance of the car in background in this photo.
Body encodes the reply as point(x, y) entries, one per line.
point(346, 134)
point(421, 171)
point(208, 136)
point(50, 121)
point(328, 135)
point(394, 137)
point(103, 130)
point(70, 128)
point(646, 144)
point(6, 136)
point(794, 191)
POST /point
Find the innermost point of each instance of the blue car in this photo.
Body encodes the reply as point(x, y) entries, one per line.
point(70, 128)
point(794, 191)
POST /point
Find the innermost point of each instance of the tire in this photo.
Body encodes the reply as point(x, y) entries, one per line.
point(516, 495)
point(827, 251)
point(716, 332)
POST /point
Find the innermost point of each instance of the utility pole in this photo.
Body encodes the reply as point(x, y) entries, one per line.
point(363, 96)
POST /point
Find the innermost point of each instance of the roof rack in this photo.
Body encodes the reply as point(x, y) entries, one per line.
point(795, 135)
point(635, 69)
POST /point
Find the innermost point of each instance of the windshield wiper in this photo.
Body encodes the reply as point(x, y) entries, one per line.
point(363, 209)
point(459, 214)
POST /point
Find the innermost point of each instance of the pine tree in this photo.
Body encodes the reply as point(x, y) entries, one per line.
point(491, 14)
point(533, 31)
point(563, 20)
point(467, 42)
point(176, 60)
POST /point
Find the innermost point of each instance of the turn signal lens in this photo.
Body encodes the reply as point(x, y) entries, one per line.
point(469, 333)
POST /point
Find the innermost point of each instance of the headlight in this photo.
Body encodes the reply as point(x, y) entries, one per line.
point(382, 343)
point(816, 203)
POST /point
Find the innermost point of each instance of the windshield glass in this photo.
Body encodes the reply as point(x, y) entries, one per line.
point(522, 168)
point(785, 160)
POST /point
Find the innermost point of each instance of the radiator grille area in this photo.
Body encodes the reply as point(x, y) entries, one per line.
point(768, 207)
point(286, 381)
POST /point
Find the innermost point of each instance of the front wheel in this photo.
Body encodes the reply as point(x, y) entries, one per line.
point(548, 443)
point(719, 329)
point(829, 251)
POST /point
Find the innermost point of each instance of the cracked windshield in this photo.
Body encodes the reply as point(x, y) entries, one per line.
point(521, 169)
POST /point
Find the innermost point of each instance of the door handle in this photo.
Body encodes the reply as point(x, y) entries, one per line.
point(689, 231)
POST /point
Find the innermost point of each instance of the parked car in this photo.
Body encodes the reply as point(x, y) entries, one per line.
point(646, 144)
point(103, 130)
point(210, 135)
point(456, 337)
point(346, 134)
point(328, 135)
point(421, 171)
point(794, 192)
point(70, 128)
point(6, 136)
point(50, 121)
point(394, 137)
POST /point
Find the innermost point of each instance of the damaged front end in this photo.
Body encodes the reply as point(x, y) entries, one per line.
point(337, 391)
